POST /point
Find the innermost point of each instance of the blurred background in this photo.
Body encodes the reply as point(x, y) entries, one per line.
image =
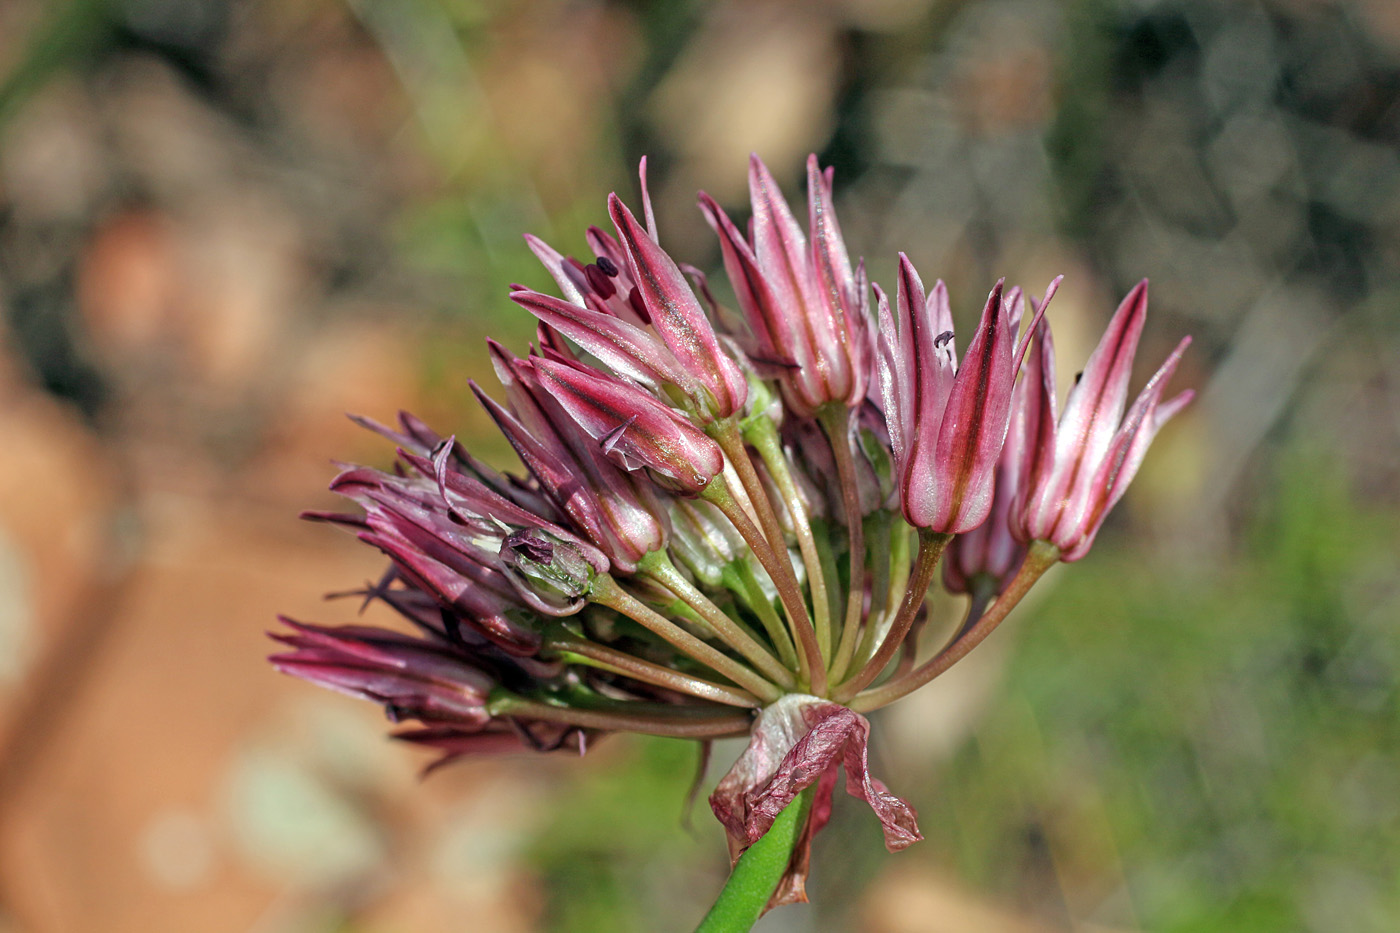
point(224, 224)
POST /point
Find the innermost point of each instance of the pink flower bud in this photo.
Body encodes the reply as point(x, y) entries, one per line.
point(413, 678)
point(633, 428)
point(808, 312)
point(1077, 468)
point(947, 422)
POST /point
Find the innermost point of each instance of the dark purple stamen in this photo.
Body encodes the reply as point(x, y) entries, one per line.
point(530, 546)
point(634, 298)
point(598, 280)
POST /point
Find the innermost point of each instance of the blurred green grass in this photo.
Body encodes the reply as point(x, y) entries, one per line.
point(1237, 728)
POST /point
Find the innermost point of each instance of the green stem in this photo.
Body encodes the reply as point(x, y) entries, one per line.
point(1041, 558)
point(756, 875)
point(762, 433)
point(821, 535)
point(658, 567)
point(607, 592)
point(879, 522)
point(681, 722)
point(812, 670)
point(931, 545)
point(837, 422)
point(575, 650)
point(900, 569)
point(757, 600)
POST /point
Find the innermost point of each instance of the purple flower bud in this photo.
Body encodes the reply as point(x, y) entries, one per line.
point(551, 573)
point(677, 315)
point(627, 349)
point(808, 312)
point(412, 678)
point(620, 514)
point(406, 520)
point(947, 422)
point(1077, 468)
point(636, 313)
point(633, 428)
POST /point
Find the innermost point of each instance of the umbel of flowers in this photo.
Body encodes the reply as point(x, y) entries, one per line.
point(728, 519)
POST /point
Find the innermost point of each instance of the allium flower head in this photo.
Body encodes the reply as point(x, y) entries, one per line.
point(666, 561)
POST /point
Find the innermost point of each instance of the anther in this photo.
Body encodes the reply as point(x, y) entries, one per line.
point(634, 298)
point(599, 281)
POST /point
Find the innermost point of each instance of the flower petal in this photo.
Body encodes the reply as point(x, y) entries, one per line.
point(834, 283)
point(1125, 455)
point(567, 273)
point(624, 348)
point(677, 315)
point(766, 316)
point(975, 419)
point(1032, 514)
point(1095, 404)
point(891, 370)
point(634, 428)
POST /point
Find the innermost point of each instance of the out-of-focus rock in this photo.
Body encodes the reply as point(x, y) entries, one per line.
point(757, 78)
point(915, 900)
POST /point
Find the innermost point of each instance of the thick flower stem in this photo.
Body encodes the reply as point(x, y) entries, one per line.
point(812, 669)
point(931, 545)
point(674, 721)
point(607, 592)
point(658, 567)
point(576, 650)
point(1042, 557)
point(762, 433)
point(756, 875)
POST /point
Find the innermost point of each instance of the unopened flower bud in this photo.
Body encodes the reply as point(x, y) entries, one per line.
point(1077, 467)
point(413, 678)
point(703, 540)
point(633, 428)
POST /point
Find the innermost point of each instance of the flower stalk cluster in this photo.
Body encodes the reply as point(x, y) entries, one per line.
point(729, 519)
